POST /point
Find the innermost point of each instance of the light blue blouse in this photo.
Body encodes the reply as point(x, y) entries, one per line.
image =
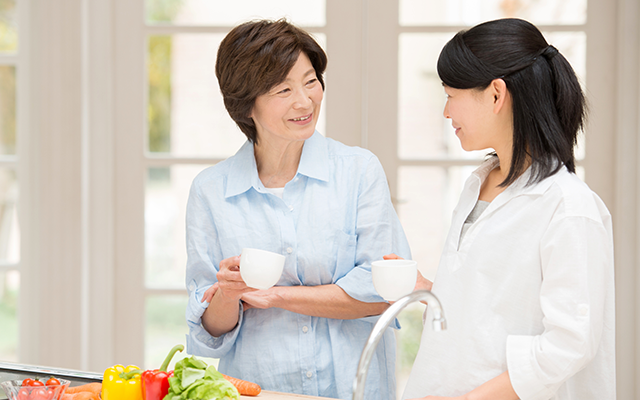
point(334, 218)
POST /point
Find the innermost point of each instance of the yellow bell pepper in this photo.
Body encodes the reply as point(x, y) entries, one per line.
point(120, 383)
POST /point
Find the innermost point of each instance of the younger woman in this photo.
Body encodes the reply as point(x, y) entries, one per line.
point(526, 275)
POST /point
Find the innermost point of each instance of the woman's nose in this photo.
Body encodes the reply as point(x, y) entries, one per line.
point(445, 112)
point(301, 100)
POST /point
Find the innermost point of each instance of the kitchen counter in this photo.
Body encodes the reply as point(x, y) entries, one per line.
point(267, 395)
point(10, 371)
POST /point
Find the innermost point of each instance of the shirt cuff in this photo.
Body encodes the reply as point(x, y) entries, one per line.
point(520, 364)
point(359, 285)
point(199, 341)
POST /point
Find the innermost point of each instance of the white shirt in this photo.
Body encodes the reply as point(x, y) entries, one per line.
point(528, 289)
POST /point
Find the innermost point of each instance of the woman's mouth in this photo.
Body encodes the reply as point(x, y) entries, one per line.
point(302, 119)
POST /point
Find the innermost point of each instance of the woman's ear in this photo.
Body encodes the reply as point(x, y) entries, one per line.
point(500, 94)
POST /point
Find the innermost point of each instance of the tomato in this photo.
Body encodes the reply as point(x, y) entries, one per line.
point(39, 394)
point(23, 394)
point(27, 382)
point(52, 381)
point(36, 382)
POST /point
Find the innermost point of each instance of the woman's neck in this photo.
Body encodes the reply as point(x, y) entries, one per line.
point(277, 164)
point(491, 187)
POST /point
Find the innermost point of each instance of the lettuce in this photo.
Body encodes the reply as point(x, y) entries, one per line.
point(193, 379)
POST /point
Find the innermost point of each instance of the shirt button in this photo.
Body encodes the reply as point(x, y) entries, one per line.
point(583, 310)
point(305, 329)
point(290, 208)
point(289, 250)
point(309, 374)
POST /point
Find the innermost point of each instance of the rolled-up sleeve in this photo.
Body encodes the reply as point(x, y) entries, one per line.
point(378, 232)
point(203, 257)
point(576, 259)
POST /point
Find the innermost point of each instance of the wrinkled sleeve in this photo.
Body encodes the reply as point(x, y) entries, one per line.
point(203, 258)
point(577, 265)
point(378, 233)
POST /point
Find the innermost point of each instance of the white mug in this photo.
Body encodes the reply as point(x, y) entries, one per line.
point(260, 269)
point(394, 278)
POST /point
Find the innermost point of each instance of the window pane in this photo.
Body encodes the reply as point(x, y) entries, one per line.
point(186, 114)
point(8, 26)
point(427, 197)
point(166, 327)
point(7, 109)
point(230, 13)
point(472, 12)
point(9, 227)
point(9, 285)
point(423, 132)
point(167, 191)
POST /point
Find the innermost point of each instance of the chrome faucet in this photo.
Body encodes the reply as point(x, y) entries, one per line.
point(439, 323)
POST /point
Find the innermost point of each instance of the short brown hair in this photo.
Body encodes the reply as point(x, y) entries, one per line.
point(256, 56)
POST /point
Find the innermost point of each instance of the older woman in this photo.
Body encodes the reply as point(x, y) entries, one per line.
point(289, 190)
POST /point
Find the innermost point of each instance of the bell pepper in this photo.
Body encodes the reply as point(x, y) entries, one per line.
point(122, 383)
point(155, 383)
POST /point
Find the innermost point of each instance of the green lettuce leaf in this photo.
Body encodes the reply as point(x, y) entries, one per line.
point(193, 379)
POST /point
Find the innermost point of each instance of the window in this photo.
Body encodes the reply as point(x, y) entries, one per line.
point(9, 230)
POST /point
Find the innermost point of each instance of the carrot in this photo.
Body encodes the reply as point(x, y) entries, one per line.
point(94, 387)
point(80, 396)
point(245, 388)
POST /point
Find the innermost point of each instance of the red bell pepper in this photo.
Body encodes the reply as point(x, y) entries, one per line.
point(155, 383)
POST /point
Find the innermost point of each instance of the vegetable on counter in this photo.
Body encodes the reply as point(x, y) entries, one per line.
point(36, 389)
point(245, 388)
point(80, 396)
point(94, 387)
point(122, 383)
point(155, 383)
point(89, 391)
point(193, 379)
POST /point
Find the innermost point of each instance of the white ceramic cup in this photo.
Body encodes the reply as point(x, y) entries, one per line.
point(394, 278)
point(260, 269)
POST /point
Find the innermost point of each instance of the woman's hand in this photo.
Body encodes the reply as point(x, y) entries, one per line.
point(230, 283)
point(392, 257)
point(221, 315)
point(422, 283)
point(208, 294)
point(442, 398)
point(262, 298)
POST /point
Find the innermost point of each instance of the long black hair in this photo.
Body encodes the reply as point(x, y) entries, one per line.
point(549, 107)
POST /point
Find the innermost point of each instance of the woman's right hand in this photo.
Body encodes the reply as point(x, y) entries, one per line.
point(230, 283)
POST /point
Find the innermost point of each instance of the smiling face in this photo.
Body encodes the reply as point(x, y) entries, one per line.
point(289, 111)
point(472, 115)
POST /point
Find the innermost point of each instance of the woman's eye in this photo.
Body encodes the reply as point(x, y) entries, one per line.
point(312, 81)
point(283, 91)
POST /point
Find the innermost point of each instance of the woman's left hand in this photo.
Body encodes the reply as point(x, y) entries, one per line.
point(441, 398)
point(261, 298)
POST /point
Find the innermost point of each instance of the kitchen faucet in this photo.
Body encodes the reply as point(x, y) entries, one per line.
point(439, 323)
